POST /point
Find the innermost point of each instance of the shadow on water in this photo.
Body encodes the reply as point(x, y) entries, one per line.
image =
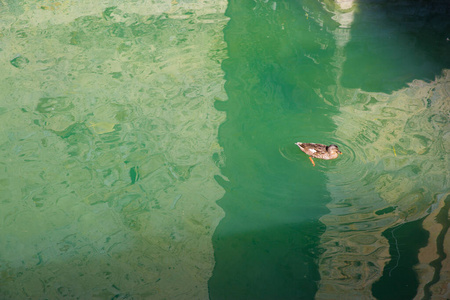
point(271, 263)
point(419, 30)
point(266, 247)
point(399, 281)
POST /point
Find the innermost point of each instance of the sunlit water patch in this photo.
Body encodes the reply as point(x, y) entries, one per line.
point(108, 133)
point(397, 172)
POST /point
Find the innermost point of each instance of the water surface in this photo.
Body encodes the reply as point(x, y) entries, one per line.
point(369, 79)
point(148, 149)
point(107, 135)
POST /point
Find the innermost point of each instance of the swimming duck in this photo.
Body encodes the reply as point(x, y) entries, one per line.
point(319, 151)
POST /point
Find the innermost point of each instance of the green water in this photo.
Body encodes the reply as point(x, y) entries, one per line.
point(266, 245)
point(297, 72)
point(108, 129)
point(147, 149)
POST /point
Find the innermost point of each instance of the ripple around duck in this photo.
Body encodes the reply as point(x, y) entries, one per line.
point(352, 159)
point(290, 152)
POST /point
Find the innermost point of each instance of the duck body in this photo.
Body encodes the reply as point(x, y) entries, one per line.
point(319, 150)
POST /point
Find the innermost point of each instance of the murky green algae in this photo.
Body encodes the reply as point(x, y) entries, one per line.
point(108, 133)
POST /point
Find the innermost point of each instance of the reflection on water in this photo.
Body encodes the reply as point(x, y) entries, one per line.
point(398, 172)
point(395, 167)
point(396, 42)
point(286, 85)
point(107, 136)
point(109, 146)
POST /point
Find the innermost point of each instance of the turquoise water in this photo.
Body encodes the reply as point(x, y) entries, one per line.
point(266, 245)
point(298, 72)
point(148, 150)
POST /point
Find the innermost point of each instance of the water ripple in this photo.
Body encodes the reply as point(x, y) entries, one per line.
point(108, 131)
point(393, 168)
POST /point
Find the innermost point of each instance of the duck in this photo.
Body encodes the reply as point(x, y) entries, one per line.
point(319, 151)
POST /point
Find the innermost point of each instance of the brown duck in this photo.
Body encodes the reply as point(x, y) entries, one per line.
point(319, 151)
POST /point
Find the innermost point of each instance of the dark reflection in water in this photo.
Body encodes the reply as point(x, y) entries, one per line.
point(399, 280)
point(395, 42)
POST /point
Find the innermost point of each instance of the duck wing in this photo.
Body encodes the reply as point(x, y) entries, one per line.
point(315, 150)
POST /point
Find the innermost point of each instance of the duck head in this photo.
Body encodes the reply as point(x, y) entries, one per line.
point(333, 149)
